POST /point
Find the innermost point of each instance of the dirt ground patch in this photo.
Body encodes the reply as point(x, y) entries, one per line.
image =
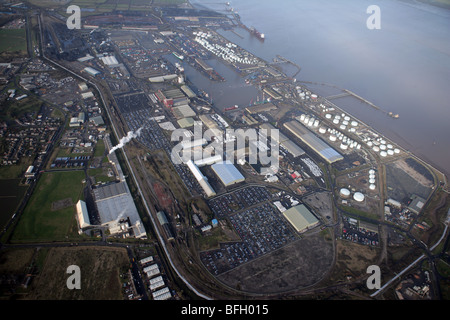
point(404, 181)
point(353, 259)
point(62, 204)
point(321, 202)
point(99, 267)
point(297, 265)
point(420, 178)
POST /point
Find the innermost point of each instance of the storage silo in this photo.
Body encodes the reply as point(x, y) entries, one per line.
point(344, 193)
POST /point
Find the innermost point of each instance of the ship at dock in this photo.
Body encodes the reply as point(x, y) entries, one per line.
point(179, 56)
point(257, 34)
point(231, 108)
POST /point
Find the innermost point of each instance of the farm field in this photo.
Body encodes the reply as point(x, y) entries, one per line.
point(100, 270)
point(13, 40)
point(50, 213)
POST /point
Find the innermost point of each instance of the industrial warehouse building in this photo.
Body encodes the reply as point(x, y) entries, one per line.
point(117, 210)
point(165, 224)
point(313, 141)
point(82, 215)
point(301, 218)
point(202, 180)
point(269, 128)
point(186, 122)
point(227, 173)
point(284, 141)
point(292, 148)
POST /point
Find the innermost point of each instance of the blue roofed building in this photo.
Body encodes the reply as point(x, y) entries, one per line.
point(227, 173)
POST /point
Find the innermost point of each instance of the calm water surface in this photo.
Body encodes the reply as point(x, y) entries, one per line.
point(404, 67)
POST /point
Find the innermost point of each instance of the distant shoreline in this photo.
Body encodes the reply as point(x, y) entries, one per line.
point(444, 4)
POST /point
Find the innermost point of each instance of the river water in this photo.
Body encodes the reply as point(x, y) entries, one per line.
point(404, 67)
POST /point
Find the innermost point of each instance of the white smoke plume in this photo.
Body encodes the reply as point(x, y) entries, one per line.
point(126, 139)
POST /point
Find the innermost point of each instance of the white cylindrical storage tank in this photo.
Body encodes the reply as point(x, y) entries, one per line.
point(389, 146)
point(336, 121)
point(337, 117)
point(372, 176)
point(383, 153)
point(376, 149)
point(358, 196)
point(354, 123)
point(322, 130)
point(328, 116)
point(390, 152)
point(306, 120)
point(372, 187)
point(344, 193)
point(383, 147)
point(316, 123)
point(371, 171)
point(302, 117)
point(342, 127)
point(358, 146)
point(344, 146)
point(396, 150)
point(347, 118)
point(372, 181)
point(345, 122)
point(333, 137)
point(370, 143)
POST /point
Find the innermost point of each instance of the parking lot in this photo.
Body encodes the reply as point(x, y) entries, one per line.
point(262, 229)
point(353, 231)
point(226, 204)
point(67, 162)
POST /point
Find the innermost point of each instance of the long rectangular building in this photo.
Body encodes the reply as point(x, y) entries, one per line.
point(227, 173)
point(313, 141)
point(300, 218)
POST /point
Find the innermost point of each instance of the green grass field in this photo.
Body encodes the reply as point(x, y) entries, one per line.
point(13, 40)
point(11, 194)
point(41, 221)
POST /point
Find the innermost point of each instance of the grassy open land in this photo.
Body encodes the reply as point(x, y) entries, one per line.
point(100, 270)
point(13, 109)
point(15, 171)
point(13, 40)
point(50, 213)
point(100, 175)
point(11, 194)
point(99, 148)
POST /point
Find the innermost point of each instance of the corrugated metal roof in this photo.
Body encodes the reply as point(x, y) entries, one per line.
point(314, 142)
point(300, 217)
point(227, 173)
point(292, 148)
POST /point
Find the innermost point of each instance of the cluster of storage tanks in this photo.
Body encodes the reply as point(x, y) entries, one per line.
point(379, 145)
point(372, 180)
point(305, 94)
point(309, 121)
point(226, 52)
point(335, 135)
point(344, 122)
point(357, 196)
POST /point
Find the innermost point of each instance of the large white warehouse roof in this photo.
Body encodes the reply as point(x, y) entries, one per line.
point(227, 173)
